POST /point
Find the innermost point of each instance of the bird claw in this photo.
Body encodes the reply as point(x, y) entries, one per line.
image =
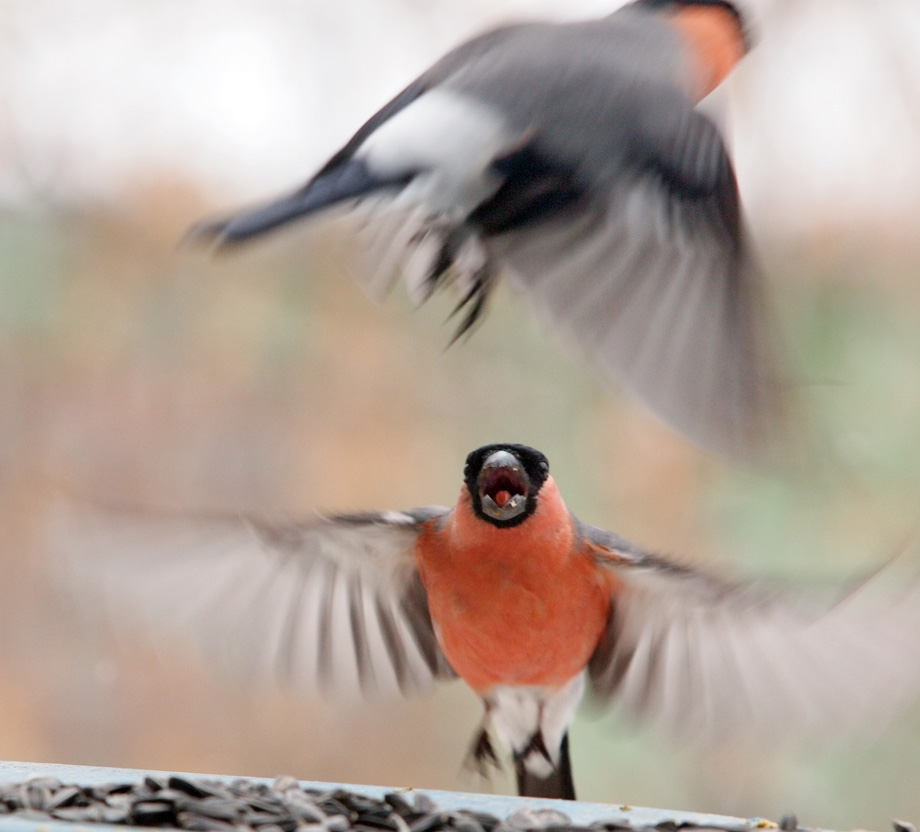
point(537, 745)
point(482, 757)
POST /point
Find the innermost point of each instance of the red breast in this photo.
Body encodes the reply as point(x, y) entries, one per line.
point(716, 41)
point(513, 606)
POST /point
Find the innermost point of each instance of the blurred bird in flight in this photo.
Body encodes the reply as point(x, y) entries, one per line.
point(512, 593)
point(573, 156)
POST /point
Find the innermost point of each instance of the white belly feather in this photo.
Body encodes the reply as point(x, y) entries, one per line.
point(516, 714)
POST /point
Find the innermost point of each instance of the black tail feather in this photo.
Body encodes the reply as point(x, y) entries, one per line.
point(348, 180)
point(559, 783)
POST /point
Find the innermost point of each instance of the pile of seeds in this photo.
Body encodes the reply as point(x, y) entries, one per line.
point(244, 806)
point(233, 806)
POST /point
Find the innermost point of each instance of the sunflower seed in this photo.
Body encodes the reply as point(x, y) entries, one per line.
point(65, 796)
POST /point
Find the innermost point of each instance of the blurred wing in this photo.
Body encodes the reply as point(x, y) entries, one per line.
point(654, 282)
point(334, 605)
point(710, 660)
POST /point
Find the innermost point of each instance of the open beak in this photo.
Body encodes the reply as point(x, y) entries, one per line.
point(503, 486)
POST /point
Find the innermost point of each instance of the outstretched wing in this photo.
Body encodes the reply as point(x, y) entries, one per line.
point(647, 272)
point(708, 659)
point(335, 605)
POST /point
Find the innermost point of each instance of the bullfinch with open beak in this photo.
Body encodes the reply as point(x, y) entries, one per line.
point(513, 594)
point(572, 156)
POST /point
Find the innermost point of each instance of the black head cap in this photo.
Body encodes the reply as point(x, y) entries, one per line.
point(503, 481)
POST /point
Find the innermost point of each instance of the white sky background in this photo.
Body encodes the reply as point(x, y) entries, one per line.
point(250, 97)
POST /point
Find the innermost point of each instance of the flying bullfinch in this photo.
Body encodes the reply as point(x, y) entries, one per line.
point(513, 594)
point(572, 156)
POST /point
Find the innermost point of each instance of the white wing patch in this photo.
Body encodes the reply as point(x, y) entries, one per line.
point(452, 139)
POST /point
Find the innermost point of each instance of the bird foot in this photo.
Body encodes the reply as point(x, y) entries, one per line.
point(482, 757)
point(537, 745)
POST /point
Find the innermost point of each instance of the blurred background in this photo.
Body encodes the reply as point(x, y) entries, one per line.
point(267, 381)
